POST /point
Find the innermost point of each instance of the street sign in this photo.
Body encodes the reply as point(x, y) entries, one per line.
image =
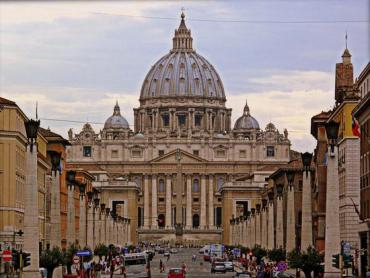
point(7, 255)
point(76, 260)
point(83, 253)
point(346, 248)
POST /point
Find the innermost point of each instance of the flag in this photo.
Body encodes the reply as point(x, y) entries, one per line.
point(355, 127)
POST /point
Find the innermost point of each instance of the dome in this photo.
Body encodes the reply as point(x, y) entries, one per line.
point(116, 121)
point(246, 121)
point(182, 72)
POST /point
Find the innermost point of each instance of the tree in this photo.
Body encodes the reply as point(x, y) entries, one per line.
point(259, 253)
point(276, 254)
point(101, 250)
point(50, 259)
point(309, 260)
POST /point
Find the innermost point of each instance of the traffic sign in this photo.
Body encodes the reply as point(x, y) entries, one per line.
point(346, 248)
point(83, 253)
point(7, 255)
point(76, 260)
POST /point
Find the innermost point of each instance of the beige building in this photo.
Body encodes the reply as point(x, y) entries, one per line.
point(13, 173)
point(184, 170)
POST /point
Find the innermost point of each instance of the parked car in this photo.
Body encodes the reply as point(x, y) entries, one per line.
point(243, 275)
point(218, 267)
point(176, 273)
point(173, 251)
point(229, 266)
point(166, 253)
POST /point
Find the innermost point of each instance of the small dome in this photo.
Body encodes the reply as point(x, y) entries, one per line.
point(116, 121)
point(246, 121)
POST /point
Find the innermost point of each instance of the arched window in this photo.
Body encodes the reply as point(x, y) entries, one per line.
point(195, 220)
point(161, 187)
point(220, 182)
point(195, 185)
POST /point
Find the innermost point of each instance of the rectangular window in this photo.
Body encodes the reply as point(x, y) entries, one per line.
point(220, 153)
point(198, 120)
point(270, 152)
point(196, 152)
point(161, 200)
point(87, 151)
point(114, 154)
point(161, 152)
point(166, 120)
point(242, 154)
point(195, 200)
point(182, 120)
point(136, 153)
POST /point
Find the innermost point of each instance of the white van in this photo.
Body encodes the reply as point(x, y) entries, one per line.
point(136, 265)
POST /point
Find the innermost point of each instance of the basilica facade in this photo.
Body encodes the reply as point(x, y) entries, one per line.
point(184, 169)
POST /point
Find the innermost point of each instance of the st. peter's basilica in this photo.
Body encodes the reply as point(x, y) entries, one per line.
point(184, 170)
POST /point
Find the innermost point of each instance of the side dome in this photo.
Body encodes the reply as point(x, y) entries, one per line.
point(116, 121)
point(246, 121)
point(182, 72)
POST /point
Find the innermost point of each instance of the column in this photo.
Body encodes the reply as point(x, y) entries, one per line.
point(70, 215)
point(263, 228)
point(146, 202)
point(332, 235)
point(189, 200)
point(253, 230)
point(203, 189)
point(245, 232)
point(82, 223)
point(258, 225)
point(90, 220)
point(306, 234)
point(231, 234)
point(210, 203)
point(154, 202)
point(290, 229)
point(31, 213)
point(270, 225)
point(55, 222)
point(249, 232)
point(129, 232)
point(279, 222)
point(168, 202)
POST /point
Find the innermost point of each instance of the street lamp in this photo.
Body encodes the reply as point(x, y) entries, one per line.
point(81, 187)
point(279, 189)
point(332, 129)
point(290, 177)
point(55, 160)
point(32, 128)
point(306, 161)
point(71, 178)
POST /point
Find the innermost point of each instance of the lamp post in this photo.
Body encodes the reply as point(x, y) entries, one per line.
point(55, 218)
point(71, 175)
point(31, 206)
point(306, 228)
point(290, 221)
point(82, 220)
point(279, 216)
point(332, 228)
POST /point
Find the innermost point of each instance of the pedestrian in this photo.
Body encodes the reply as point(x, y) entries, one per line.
point(112, 267)
point(168, 257)
point(160, 266)
point(184, 267)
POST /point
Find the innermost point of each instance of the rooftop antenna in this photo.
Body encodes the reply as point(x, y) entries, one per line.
point(346, 39)
point(37, 116)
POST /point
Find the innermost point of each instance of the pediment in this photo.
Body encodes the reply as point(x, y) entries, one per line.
point(171, 157)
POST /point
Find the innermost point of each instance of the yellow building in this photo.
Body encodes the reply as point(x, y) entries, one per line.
point(13, 173)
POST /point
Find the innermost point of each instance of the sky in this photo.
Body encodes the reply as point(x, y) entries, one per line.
point(77, 58)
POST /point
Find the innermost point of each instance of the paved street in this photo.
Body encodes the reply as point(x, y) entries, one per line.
point(195, 269)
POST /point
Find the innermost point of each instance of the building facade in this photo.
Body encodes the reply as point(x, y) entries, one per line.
point(362, 114)
point(184, 170)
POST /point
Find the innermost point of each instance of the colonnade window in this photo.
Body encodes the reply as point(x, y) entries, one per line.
point(161, 187)
point(195, 220)
point(182, 120)
point(195, 185)
point(87, 151)
point(198, 120)
point(270, 151)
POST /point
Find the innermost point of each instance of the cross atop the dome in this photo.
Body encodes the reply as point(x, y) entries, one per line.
point(246, 108)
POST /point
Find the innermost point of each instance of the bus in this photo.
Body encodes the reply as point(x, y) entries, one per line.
point(137, 265)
